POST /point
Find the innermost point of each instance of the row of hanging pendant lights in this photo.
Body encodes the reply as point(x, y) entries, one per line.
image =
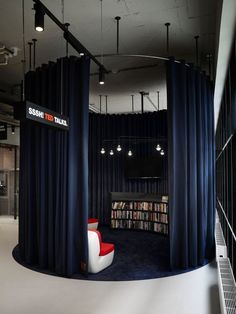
point(130, 153)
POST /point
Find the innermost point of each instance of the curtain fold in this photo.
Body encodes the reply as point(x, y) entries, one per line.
point(191, 165)
point(53, 204)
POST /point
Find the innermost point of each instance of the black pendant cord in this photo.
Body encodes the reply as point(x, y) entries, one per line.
point(132, 99)
point(158, 100)
point(142, 101)
point(62, 11)
point(209, 56)
point(24, 54)
point(117, 18)
point(106, 104)
point(15, 183)
point(100, 103)
point(30, 55)
point(62, 91)
point(67, 44)
point(197, 48)
point(34, 52)
point(101, 26)
point(167, 38)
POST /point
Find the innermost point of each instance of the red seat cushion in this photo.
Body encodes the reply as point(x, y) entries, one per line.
point(106, 248)
point(92, 220)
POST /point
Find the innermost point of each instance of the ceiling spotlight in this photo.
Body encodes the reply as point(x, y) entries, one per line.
point(103, 151)
point(111, 152)
point(119, 148)
point(101, 76)
point(81, 54)
point(130, 153)
point(162, 152)
point(39, 17)
point(158, 148)
point(12, 129)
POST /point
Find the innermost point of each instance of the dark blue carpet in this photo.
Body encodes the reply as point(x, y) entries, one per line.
point(138, 255)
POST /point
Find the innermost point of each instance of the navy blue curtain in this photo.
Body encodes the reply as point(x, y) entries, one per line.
point(191, 165)
point(106, 173)
point(54, 171)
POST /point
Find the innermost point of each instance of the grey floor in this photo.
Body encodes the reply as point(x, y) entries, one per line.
point(23, 291)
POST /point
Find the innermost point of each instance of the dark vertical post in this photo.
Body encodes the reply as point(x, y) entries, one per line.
point(30, 55)
point(23, 81)
point(67, 46)
point(100, 103)
point(15, 182)
point(34, 52)
point(117, 33)
point(21, 90)
point(167, 37)
point(106, 104)
point(158, 100)
point(197, 57)
point(209, 56)
point(142, 101)
point(62, 85)
point(132, 96)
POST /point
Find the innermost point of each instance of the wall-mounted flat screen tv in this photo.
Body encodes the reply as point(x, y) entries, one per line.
point(151, 167)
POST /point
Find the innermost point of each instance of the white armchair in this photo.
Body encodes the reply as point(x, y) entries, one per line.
point(100, 254)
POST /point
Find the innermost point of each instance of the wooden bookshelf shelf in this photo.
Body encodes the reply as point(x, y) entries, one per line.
point(139, 211)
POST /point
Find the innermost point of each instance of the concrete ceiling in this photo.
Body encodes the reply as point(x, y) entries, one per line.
point(142, 31)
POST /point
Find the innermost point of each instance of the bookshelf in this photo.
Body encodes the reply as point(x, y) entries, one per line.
point(139, 211)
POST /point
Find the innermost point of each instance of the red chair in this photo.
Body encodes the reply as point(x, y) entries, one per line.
point(92, 223)
point(101, 254)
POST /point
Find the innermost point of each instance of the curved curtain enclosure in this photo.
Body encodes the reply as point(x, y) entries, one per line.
point(106, 173)
point(54, 171)
point(191, 165)
point(64, 176)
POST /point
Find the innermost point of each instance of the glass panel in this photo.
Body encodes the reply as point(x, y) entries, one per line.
point(9, 180)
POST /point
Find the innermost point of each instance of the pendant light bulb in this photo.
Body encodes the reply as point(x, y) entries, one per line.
point(119, 148)
point(130, 153)
point(101, 76)
point(39, 28)
point(162, 152)
point(81, 54)
point(39, 18)
point(103, 151)
point(12, 129)
point(111, 152)
point(158, 148)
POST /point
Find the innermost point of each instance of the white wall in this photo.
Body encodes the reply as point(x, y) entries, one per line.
point(225, 40)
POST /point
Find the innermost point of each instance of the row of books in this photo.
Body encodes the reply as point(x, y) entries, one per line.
point(122, 205)
point(144, 206)
point(160, 207)
point(141, 225)
point(139, 215)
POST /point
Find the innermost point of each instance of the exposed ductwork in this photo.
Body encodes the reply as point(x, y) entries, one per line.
point(7, 53)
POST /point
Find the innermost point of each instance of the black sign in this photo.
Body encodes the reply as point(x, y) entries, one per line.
point(3, 131)
point(30, 111)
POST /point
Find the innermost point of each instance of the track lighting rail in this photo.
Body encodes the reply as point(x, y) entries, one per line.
point(72, 40)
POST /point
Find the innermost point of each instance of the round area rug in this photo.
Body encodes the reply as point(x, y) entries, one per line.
point(138, 255)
